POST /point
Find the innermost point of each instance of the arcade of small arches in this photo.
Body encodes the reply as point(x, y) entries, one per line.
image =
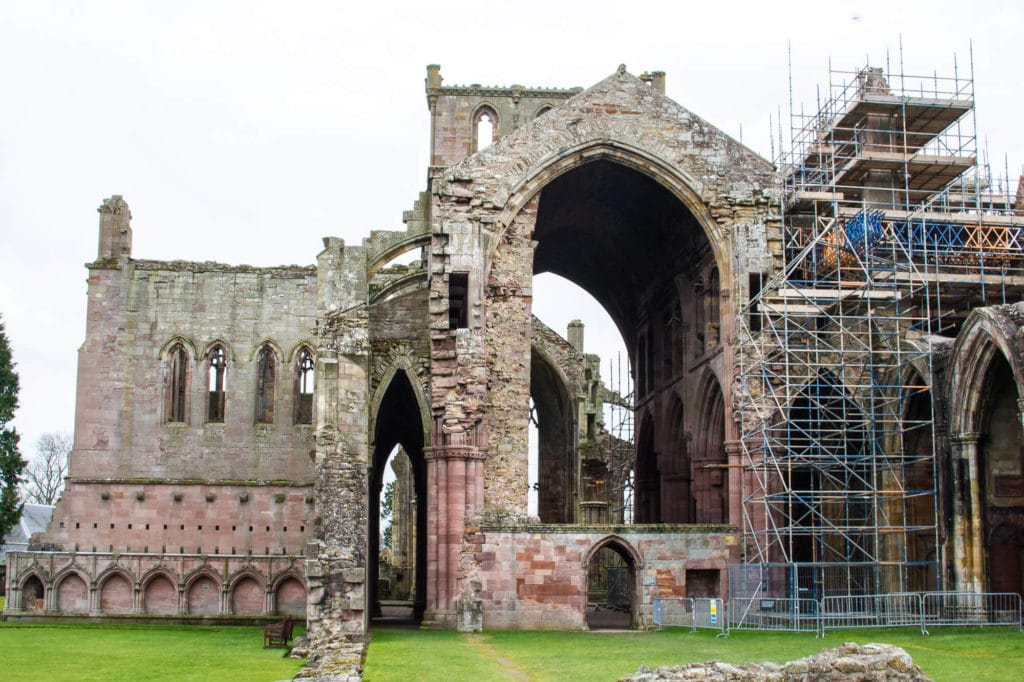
point(159, 591)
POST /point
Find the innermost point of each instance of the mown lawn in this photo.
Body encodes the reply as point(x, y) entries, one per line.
point(947, 654)
point(116, 652)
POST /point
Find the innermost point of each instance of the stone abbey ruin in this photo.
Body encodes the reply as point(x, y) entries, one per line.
point(825, 356)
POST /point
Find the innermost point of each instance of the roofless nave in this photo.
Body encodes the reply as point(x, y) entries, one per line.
point(824, 357)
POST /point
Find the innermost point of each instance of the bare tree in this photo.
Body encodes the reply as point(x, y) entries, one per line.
point(44, 476)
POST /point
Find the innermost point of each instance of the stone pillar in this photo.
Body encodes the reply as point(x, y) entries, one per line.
point(454, 492)
point(94, 598)
point(734, 473)
point(49, 597)
point(336, 557)
point(968, 550)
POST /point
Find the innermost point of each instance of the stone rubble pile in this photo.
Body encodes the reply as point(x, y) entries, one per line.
point(339, 659)
point(866, 663)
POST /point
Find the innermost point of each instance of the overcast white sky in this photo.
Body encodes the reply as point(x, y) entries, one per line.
point(243, 132)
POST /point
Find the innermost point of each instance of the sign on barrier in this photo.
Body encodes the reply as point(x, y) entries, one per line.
point(671, 612)
point(709, 613)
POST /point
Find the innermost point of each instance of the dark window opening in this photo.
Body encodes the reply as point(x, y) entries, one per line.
point(266, 365)
point(754, 319)
point(458, 300)
point(177, 387)
point(218, 362)
point(305, 379)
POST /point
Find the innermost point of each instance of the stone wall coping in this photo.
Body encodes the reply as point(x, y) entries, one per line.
point(160, 555)
point(611, 529)
point(287, 271)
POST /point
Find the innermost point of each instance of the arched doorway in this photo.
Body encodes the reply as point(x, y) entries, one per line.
point(611, 586)
point(1001, 464)
point(398, 433)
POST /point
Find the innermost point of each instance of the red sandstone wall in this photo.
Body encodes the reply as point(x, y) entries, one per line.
point(536, 578)
point(141, 484)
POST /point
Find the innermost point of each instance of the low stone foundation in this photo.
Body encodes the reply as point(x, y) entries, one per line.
point(847, 662)
point(339, 659)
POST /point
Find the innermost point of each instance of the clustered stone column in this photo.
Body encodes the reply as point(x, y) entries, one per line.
point(455, 491)
point(967, 538)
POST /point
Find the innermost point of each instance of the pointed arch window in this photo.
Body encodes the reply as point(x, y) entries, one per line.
point(485, 128)
point(266, 371)
point(177, 386)
point(217, 361)
point(305, 384)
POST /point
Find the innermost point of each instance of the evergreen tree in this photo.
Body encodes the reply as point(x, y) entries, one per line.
point(11, 463)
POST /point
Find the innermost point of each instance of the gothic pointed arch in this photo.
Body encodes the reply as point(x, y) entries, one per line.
point(711, 472)
point(612, 569)
point(400, 425)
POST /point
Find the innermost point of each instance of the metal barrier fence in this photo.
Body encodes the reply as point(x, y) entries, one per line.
point(898, 610)
point(710, 614)
point(792, 615)
point(971, 609)
point(672, 612)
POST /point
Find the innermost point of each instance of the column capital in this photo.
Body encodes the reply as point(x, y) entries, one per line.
point(465, 452)
point(733, 447)
point(967, 438)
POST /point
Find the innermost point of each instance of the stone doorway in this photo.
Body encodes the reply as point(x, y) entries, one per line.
point(1001, 446)
point(396, 562)
point(611, 588)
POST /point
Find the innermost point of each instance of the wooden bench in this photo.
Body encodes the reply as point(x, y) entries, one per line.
point(278, 634)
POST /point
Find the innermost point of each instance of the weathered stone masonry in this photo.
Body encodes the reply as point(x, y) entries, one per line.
point(207, 482)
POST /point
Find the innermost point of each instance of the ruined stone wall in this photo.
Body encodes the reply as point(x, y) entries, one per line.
point(453, 112)
point(336, 561)
point(535, 577)
point(140, 482)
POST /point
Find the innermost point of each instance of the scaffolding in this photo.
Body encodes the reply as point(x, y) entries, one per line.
point(619, 411)
point(891, 233)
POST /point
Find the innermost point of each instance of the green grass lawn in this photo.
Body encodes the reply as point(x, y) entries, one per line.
point(153, 652)
point(947, 654)
point(121, 652)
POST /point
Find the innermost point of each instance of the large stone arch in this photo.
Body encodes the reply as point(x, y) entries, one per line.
point(986, 331)
point(683, 195)
point(986, 399)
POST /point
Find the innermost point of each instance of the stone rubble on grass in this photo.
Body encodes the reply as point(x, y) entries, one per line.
point(866, 663)
point(339, 659)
